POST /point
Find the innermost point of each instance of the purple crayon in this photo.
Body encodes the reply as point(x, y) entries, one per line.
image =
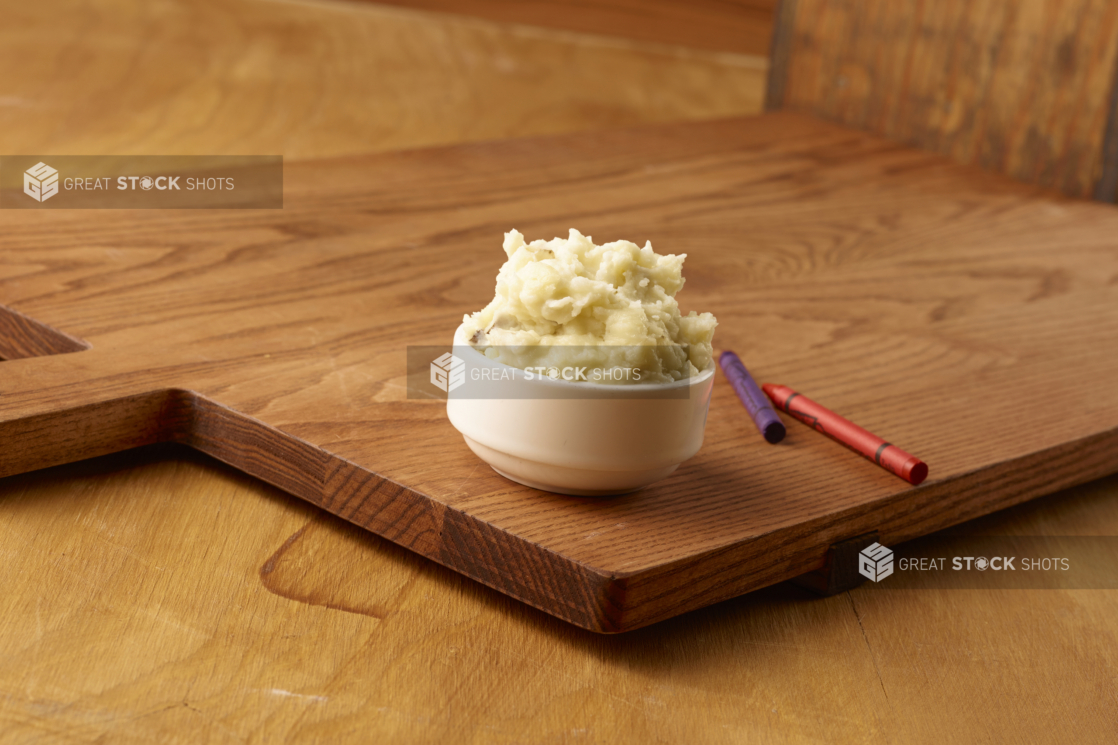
point(756, 403)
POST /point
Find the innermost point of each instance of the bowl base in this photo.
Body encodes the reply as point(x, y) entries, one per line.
point(579, 482)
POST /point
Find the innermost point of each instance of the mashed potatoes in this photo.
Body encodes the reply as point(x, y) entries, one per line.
point(609, 309)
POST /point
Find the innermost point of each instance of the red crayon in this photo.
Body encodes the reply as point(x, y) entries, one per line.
point(890, 457)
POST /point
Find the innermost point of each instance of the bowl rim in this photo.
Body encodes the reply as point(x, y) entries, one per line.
point(702, 377)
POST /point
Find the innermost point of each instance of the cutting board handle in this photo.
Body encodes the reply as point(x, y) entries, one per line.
point(37, 433)
point(62, 400)
point(61, 409)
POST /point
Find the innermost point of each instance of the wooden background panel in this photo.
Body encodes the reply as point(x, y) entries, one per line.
point(306, 79)
point(1019, 87)
point(741, 26)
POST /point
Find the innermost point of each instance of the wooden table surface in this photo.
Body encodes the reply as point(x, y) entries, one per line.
point(157, 595)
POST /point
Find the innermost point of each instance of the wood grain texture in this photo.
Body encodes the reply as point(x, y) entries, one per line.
point(784, 26)
point(1023, 88)
point(179, 601)
point(163, 597)
point(310, 79)
point(860, 272)
point(741, 26)
point(21, 337)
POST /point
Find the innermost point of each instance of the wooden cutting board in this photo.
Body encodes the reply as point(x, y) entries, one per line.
point(966, 318)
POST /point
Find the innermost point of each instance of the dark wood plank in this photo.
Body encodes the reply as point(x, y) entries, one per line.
point(1021, 88)
point(780, 54)
point(966, 317)
point(1106, 187)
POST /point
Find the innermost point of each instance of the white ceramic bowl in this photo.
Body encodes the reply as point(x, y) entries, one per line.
point(578, 438)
